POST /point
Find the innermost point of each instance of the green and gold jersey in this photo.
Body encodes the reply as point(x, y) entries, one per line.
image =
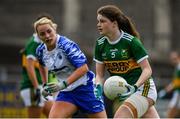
point(176, 79)
point(29, 52)
point(122, 56)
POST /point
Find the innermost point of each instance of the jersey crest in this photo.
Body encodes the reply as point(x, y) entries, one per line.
point(124, 53)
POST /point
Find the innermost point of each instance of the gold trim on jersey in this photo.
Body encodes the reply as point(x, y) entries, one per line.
point(176, 82)
point(24, 62)
point(122, 66)
point(146, 88)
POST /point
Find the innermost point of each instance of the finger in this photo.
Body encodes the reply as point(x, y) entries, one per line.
point(53, 90)
point(46, 98)
point(124, 95)
point(46, 92)
point(51, 84)
point(128, 86)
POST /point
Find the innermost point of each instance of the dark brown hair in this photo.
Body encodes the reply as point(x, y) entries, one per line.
point(113, 13)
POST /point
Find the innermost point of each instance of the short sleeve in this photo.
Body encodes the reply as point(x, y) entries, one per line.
point(73, 52)
point(39, 54)
point(98, 51)
point(138, 50)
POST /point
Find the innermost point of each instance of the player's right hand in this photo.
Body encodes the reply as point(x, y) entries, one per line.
point(131, 89)
point(45, 92)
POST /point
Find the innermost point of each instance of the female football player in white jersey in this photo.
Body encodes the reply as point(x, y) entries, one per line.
point(120, 51)
point(75, 89)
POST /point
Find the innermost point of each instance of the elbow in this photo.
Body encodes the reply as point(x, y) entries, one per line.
point(84, 69)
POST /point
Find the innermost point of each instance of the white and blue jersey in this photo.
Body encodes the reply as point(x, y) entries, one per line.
point(64, 60)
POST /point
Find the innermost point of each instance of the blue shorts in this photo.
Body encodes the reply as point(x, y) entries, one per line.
point(83, 97)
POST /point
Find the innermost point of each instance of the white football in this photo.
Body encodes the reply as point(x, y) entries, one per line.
point(113, 86)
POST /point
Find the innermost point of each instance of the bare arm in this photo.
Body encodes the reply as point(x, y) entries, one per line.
point(100, 70)
point(146, 72)
point(79, 72)
point(44, 73)
point(31, 72)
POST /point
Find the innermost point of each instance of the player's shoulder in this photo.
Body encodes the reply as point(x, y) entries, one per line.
point(29, 41)
point(65, 43)
point(32, 41)
point(101, 40)
point(127, 37)
point(63, 40)
point(40, 48)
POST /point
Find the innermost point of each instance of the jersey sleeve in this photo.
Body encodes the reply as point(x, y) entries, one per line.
point(97, 51)
point(30, 49)
point(73, 52)
point(39, 54)
point(138, 50)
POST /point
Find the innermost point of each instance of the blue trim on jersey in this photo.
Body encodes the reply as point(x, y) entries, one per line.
point(90, 75)
point(39, 53)
point(73, 52)
point(70, 48)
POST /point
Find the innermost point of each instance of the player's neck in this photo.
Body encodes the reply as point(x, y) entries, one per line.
point(115, 36)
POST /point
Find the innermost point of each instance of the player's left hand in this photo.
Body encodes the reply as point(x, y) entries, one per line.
point(131, 89)
point(45, 93)
point(98, 91)
point(55, 87)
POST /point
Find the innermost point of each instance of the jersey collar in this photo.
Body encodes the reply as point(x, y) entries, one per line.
point(57, 40)
point(116, 41)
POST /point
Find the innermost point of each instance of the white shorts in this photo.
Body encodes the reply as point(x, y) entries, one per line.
point(175, 101)
point(148, 89)
point(27, 97)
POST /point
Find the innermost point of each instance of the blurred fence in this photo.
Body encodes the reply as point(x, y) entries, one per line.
point(162, 106)
point(10, 102)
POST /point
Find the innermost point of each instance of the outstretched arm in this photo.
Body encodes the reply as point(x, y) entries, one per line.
point(79, 72)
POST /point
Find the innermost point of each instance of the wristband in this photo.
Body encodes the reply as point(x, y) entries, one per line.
point(135, 87)
point(65, 84)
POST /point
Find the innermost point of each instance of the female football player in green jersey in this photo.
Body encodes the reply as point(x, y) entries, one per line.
point(174, 105)
point(31, 84)
point(120, 51)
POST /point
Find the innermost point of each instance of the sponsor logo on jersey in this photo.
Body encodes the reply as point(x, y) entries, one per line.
point(122, 66)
